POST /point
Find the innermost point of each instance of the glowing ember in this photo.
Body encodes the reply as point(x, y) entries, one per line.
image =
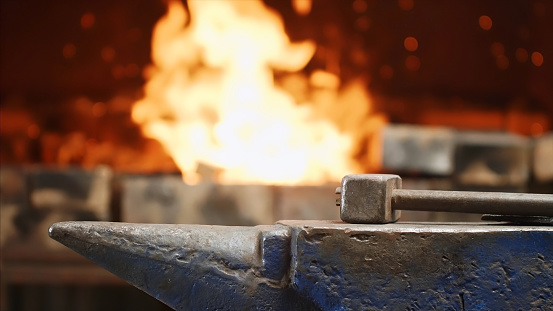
point(211, 99)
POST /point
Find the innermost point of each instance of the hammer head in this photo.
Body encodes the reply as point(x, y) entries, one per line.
point(367, 198)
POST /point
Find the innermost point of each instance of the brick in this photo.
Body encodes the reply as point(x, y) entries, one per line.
point(418, 149)
point(34, 198)
point(543, 158)
point(488, 159)
point(307, 202)
point(167, 199)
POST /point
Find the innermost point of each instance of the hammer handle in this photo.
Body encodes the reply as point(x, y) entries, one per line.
point(524, 204)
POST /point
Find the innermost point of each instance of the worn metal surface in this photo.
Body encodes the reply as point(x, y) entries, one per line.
point(376, 198)
point(193, 267)
point(367, 198)
point(423, 266)
point(520, 220)
point(528, 204)
point(322, 265)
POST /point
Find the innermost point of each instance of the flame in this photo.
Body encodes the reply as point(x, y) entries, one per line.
point(212, 101)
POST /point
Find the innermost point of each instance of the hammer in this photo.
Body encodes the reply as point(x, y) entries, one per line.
point(378, 199)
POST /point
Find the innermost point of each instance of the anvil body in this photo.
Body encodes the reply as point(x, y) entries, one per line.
point(325, 265)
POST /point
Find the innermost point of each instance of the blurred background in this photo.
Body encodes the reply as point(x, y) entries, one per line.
point(247, 112)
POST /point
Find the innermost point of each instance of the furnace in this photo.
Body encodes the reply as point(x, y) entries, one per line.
point(249, 113)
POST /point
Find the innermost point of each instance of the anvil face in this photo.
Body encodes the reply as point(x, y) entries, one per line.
point(313, 265)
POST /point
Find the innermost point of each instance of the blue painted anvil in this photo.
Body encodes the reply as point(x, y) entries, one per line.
point(326, 265)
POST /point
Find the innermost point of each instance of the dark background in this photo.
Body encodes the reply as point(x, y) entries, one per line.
point(54, 71)
point(454, 51)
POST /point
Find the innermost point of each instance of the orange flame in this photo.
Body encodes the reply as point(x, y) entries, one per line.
point(211, 99)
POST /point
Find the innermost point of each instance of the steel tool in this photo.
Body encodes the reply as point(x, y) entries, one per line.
point(378, 198)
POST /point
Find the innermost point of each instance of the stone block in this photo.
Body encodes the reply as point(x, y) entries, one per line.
point(543, 158)
point(167, 199)
point(489, 159)
point(307, 202)
point(33, 198)
point(418, 149)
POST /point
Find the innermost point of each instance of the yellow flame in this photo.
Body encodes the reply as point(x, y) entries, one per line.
point(211, 99)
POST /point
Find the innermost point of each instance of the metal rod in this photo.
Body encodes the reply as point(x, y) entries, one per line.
point(502, 203)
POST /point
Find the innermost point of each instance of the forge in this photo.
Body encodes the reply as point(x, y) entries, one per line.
point(247, 113)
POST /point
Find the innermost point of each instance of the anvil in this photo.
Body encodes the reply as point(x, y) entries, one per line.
point(326, 265)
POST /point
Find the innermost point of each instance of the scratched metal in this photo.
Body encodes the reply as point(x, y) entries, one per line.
point(519, 220)
point(378, 199)
point(367, 198)
point(524, 204)
point(193, 267)
point(319, 265)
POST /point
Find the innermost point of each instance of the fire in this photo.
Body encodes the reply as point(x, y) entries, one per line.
point(212, 101)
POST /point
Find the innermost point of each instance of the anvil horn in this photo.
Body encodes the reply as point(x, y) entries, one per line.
point(190, 266)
